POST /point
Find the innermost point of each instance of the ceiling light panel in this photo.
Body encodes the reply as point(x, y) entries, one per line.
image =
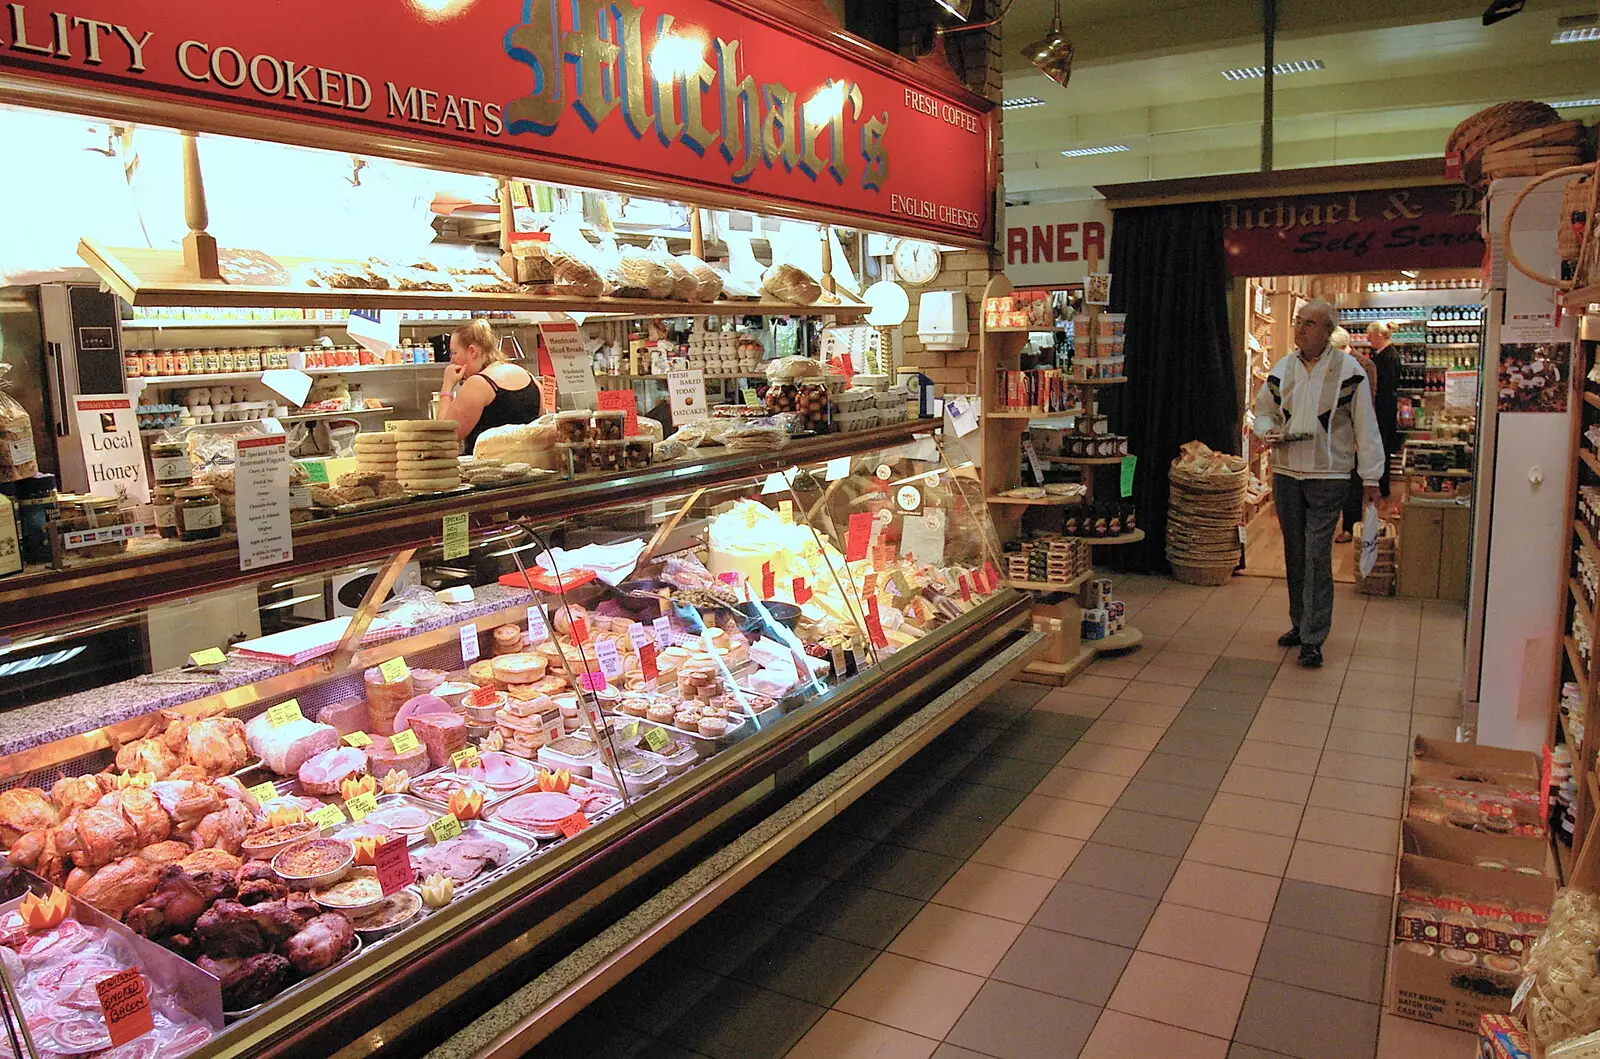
point(1576, 29)
point(1109, 148)
point(1021, 104)
point(1567, 104)
point(1250, 73)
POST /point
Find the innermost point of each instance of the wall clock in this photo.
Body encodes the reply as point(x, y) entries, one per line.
point(916, 262)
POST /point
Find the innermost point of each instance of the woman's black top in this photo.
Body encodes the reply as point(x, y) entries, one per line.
point(509, 407)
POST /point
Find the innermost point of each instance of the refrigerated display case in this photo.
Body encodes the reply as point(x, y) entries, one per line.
point(609, 685)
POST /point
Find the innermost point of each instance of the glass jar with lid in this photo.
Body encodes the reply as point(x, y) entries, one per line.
point(84, 511)
point(169, 464)
point(199, 513)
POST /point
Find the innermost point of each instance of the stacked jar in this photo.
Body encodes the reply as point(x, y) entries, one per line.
point(597, 441)
point(170, 471)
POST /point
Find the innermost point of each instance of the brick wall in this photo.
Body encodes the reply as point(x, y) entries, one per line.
point(976, 56)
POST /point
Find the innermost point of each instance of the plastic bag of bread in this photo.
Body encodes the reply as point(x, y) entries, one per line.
point(527, 262)
point(708, 285)
point(408, 277)
point(530, 443)
point(788, 283)
point(17, 456)
point(639, 274)
point(344, 275)
point(793, 369)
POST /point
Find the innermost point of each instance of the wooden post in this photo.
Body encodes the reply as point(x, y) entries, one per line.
point(828, 283)
point(199, 248)
point(508, 225)
point(697, 235)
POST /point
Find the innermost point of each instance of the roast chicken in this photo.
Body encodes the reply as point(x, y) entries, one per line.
point(178, 900)
point(323, 942)
point(224, 829)
point(229, 929)
point(211, 860)
point(79, 792)
point(215, 744)
point(24, 809)
point(117, 887)
point(169, 852)
point(187, 802)
point(148, 755)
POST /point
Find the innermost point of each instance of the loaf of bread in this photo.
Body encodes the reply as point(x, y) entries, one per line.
point(708, 285)
point(530, 443)
point(790, 284)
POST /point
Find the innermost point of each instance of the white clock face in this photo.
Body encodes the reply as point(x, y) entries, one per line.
point(916, 261)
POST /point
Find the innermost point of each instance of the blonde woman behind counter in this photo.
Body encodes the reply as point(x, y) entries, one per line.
point(481, 389)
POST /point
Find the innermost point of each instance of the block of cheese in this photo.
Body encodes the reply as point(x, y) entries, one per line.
point(441, 734)
point(455, 594)
point(284, 748)
point(530, 443)
point(347, 717)
point(381, 757)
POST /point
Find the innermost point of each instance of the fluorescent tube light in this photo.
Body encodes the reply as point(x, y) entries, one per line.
point(1110, 148)
point(1250, 73)
point(1021, 104)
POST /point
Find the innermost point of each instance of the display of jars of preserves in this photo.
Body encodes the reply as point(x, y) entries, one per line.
point(199, 513)
point(83, 511)
point(164, 506)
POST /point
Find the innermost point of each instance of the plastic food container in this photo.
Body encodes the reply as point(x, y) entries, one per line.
point(577, 756)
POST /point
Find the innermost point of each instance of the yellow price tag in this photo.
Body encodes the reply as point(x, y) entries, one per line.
point(786, 511)
point(656, 739)
point(444, 828)
point(263, 792)
point(211, 656)
point(455, 536)
point(327, 816)
point(358, 739)
point(361, 805)
point(631, 732)
point(284, 712)
point(394, 670)
point(405, 742)
point(466, 758)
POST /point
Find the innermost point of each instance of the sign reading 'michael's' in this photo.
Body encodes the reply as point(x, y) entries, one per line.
point(696, 93)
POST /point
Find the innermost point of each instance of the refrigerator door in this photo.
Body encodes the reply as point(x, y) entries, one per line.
point(83, 355)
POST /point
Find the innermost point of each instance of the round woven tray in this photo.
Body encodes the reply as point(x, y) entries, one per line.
point(1201, 574)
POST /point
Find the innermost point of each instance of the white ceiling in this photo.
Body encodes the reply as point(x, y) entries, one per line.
point(1399, 77)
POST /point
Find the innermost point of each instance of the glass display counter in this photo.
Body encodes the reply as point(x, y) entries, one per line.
point(392, 768)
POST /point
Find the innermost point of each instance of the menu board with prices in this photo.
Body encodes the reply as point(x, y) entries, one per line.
point(261, 501)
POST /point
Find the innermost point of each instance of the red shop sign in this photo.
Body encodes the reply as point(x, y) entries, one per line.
point(1356, 231)
point(735, 101)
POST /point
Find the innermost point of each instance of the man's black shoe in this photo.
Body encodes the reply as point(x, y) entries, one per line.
point(1290, 639)
point(1310, 656)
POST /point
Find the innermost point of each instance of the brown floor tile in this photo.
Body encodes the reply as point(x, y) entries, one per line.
point(956, 938)
point(1278, 708)
point(1374, 681)
point(1361, 768)
point(1121, 870)
point(1355, 830)
point(1203, 999)
point(1367, 698)
point(1434, 727)
point(1304, 1023)
point(1203, 937)
point(1302, 690)
point(1183, 660)
point(1265, 854)
point(1097, 757)
point(1268, 783)
point(1226, 890)
point(1165, 835)
point(1318, 961)
point(1123, 668)
point(1033, 852)
point(1352, 869)
point(1084, 684)
point(1080, 785)
point(1332, 910)
point(998, 892)
point(1120, 733)
point(1370, 798)
point(1174, 675)
point(1090, 912)
point(1146, 713)
point(910, 995)
point(1057, 816)
point(1363, 720)
point(1277, 756)
point(1367, 663)
point(1119, 1036)
point(1291, 733)
point(1010, 1022)
point(840, 1036)
point(1159, 694)
point(1254, 814)
point(1064, 965)
point(1073, 704)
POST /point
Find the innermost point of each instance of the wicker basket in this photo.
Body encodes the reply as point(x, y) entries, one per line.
point(1202, 574)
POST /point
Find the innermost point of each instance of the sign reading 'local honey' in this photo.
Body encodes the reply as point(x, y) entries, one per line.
point(698, 93)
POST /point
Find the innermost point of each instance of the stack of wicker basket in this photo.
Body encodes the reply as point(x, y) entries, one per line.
point(1520, 138)
point(1204, 504)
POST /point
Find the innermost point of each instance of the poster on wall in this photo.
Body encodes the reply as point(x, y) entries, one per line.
point(1052, 244)
point(1534, 377)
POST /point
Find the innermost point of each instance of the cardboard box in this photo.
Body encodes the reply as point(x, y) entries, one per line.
point(1514, 784)
point(1429, 989)
point(1470, 756)
point(1062, 625)
point(1460, 846)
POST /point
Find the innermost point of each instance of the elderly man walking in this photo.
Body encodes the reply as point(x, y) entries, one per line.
point(1315, 413)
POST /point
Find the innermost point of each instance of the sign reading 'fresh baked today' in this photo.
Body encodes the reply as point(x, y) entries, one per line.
point(700, 94)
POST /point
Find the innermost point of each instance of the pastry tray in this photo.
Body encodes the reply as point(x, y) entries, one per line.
point(378, 503)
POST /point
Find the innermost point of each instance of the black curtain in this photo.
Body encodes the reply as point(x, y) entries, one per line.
point(1168, 274)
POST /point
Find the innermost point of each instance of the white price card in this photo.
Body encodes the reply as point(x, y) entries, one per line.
point(687, 389)
point(661, 630)
point(573, 366)
point(605, 651)
point(839, 468)
point(922, 538)
point(113, 453)
point(538, 631)
point(963, 413)
point(469, 642)
point(261, 501)
point(638, 635)
point(1033, 462)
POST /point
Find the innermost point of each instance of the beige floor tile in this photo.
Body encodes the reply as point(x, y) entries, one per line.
point(1369, 798)
point(1367, 663)
point(1254, 814)
point(1372, 699)
point(1351, 869)
point(954, 937)
point(1434, 727)
point(1334, 827)
point(997, 892)
point(1373, 744)
point(1080, 785)
point(1267, 783)
point(1428, 686)
point(1204, 999)
point(910, 995)
point(1363, 768)
point(1298, 711)
point(1286, 686)
point(1231, 847)
point(1084, 684)
point(1400, 1038)
point(1033, 852)
point(1277, 756)
point(1121, 733)
point(1124, 668)
point(1073, 704)
point(1167, 657)
point(1440, 706)
point(1377, 682)
point(840, 1036)
point(1057, 816)
point(1203, 937)
point(1187, 679)
point(1097, 757)
point(1160, 694)
point(1363, 720)
point(1227, 890)
point(1147, 713)
point(1291, 733)
point(1119, 1036)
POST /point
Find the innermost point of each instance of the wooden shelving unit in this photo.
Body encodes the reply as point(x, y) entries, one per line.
point(1000, 349)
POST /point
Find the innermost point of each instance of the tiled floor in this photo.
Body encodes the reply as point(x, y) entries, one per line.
point(1186, 853)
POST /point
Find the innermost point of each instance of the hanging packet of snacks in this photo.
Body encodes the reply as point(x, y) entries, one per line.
point(17, 457)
